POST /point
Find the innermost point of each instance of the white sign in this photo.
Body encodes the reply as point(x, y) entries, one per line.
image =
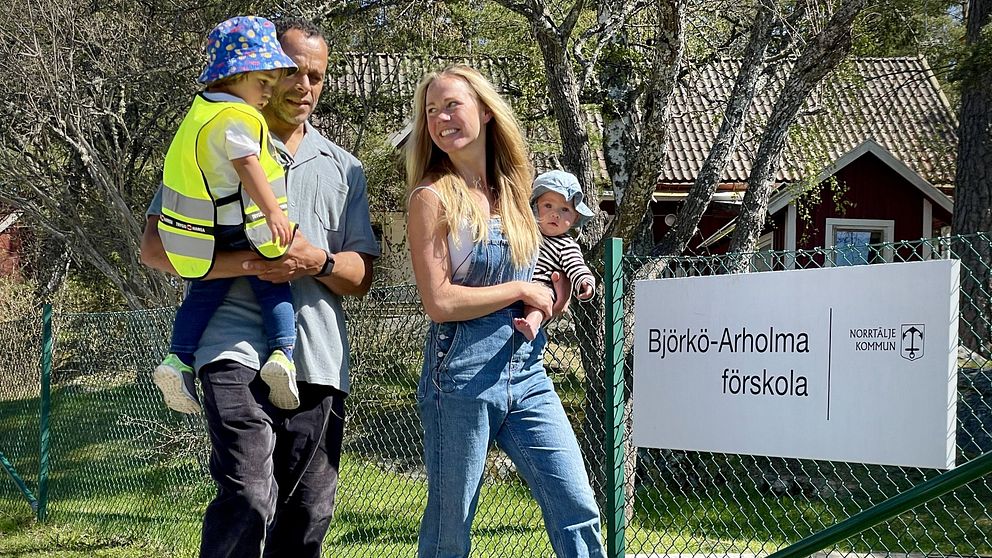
point(842, 364)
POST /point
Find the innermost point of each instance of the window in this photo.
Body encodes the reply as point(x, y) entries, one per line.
point(854, 241)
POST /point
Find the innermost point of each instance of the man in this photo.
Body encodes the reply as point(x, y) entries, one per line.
point(276, 471)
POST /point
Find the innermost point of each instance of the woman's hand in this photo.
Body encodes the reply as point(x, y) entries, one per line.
point(536, 295)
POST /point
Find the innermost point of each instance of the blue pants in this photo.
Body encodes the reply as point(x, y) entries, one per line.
point(204, 297)
point(482, 381)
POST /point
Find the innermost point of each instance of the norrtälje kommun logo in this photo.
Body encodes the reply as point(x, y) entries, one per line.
point(911, 341)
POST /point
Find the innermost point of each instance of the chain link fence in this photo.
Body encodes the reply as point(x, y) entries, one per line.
point(124, 464)
point(20, 388)
point(723, 504)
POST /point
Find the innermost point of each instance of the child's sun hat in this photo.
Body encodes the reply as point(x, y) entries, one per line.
point(567, 185)
point(243, 44)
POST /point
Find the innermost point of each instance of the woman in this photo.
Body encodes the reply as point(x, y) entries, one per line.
point(473, 241)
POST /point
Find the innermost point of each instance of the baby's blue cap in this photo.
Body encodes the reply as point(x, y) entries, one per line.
point(567, 185)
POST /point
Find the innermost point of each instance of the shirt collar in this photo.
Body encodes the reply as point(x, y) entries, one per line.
point(219, 96)
point(311, 146)
point(282, 154)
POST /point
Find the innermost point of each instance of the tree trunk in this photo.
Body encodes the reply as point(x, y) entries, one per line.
point(51, 269)
point(659, 88)
point(820, 57)
point(564, 95)
point(636, 128)
point(973, 186)
point(698, 199)
point(563, 89)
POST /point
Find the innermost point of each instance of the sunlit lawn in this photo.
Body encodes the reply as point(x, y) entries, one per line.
point(128, 480)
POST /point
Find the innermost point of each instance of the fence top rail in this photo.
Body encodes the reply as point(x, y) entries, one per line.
point(953, 245)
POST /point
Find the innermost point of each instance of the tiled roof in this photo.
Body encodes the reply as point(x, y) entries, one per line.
point(392, 78)
point(894, 101)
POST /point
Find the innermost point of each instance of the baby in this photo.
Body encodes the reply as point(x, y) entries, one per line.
point(557, 201)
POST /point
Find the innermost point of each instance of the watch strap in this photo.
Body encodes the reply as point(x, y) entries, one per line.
point(328, 266)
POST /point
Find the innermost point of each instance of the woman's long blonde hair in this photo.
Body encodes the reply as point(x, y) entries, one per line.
point(508, 167)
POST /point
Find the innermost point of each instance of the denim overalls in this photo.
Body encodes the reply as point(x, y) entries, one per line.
point(482, 381)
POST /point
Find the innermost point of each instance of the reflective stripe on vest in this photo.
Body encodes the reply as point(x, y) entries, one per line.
point(189, 207)
point(256, 229)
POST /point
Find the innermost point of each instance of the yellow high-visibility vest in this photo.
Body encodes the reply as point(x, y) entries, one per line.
point(189, 208)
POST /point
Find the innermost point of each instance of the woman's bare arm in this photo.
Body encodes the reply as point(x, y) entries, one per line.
point(443, 300)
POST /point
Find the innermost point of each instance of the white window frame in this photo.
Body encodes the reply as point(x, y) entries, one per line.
point(765, 244)
point(765, 241)
point(886, 226)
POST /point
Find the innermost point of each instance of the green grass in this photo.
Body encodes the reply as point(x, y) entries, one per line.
point(378, 514)
point(128, 481)
point(20, 538)
point(712, 521)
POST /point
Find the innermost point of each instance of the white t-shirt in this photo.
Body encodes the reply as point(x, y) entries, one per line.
point(458, 252)
point(233, 141)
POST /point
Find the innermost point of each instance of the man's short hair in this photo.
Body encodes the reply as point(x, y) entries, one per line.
point(307, 27)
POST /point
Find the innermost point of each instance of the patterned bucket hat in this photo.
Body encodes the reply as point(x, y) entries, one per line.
point(568, 186)
point(243, 44)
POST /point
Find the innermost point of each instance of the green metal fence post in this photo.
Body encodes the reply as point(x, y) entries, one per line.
point(46, 407)
point(616, 501)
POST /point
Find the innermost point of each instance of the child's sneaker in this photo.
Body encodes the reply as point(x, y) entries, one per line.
point(178, 385)
point(280, 374)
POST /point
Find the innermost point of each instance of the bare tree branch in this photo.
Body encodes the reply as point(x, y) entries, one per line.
point(87, 119)
point(741, 98)
point(820, 57)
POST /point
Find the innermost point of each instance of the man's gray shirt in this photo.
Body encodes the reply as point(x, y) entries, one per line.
point(329, 200)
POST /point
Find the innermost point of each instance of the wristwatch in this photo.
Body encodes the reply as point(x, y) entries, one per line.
point(328, 266)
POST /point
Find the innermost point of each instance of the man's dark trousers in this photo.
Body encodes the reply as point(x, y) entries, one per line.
point(276, 471)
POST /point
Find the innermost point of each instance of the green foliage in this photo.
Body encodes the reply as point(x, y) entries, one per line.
point(930, 28)
point(88, 291)
point(384, 169)
point(81, 292)
point(976, 63)
point(16, 299)
point(908, 28)
point(431, 28)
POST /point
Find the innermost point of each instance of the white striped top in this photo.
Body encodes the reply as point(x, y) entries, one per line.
point(561, 253)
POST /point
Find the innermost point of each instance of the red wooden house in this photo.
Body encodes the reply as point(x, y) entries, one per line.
point(870, 160)
point(10, 245)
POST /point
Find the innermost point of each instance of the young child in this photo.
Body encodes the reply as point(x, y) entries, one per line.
point(557, 201)
point(223, 189)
